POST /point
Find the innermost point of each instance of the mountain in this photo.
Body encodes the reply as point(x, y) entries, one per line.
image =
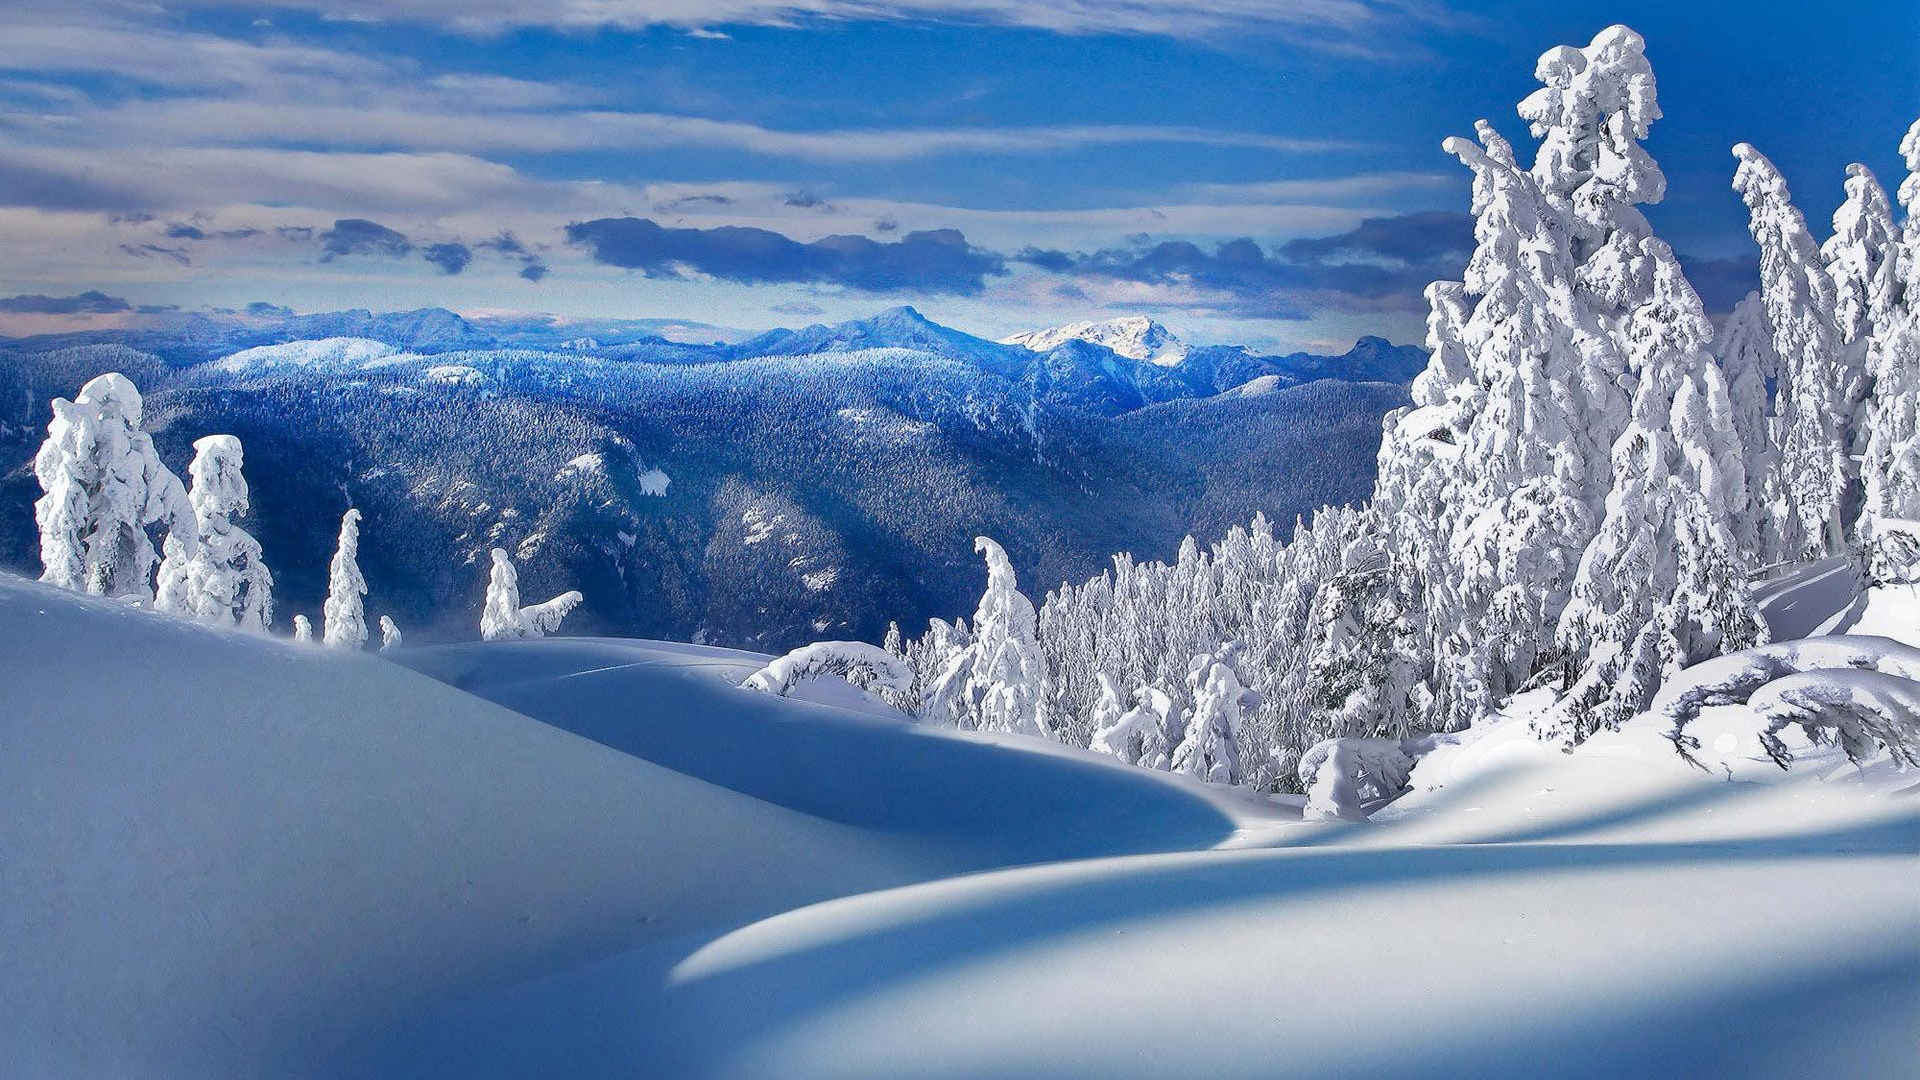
point(1134, 337)
point(812, 483)
point(895, 328)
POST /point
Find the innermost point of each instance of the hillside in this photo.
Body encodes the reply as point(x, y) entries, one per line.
point(235, 856)
point(806, 484)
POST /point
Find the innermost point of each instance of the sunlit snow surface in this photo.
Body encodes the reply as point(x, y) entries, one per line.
point(232, 856)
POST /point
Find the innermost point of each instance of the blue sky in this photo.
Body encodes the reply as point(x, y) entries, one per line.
point(1248, 170)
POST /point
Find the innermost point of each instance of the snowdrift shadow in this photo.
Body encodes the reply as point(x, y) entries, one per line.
point(977, 805)
point(778, 973)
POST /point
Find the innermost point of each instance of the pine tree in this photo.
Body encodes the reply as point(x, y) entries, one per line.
point(389, 633)
point(302, 629)
point(503, 618)
point(1814, 476)
point(104, 487)
point(343, 620)
point(1891, 464)
point(1007, 671)
point(1747, 359)
point(1210, 748)
point(223, 579)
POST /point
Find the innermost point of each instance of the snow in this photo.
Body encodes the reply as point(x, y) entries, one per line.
point(643, 867)
point(323, 352)
point(1135, 337)
point(654, 482)
point(457, 375)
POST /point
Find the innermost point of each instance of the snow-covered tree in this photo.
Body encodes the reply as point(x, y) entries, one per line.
point(1747, 361)
point(1211, 748)
point(1632, 569)
point(389, 633)
point(504, 619)
point(1138, 736)
point(1008, 670)
point(1891, 463)
point(343, 621)
point(302, 629)
point(1594, 107)
point(222, 579)
point(104, 487)
point(1818, 388)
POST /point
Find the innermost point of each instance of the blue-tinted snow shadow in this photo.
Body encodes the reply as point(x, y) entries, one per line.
point(620, 1017)
point(967, 804)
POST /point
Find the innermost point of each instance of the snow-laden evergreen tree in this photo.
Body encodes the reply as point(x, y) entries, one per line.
point(502, 618)
point(1364, 659)
point(343, 620)
point(1818, 390)
point(1891, 463)
point(1006, 670)
point(1210, 748)
point(104, 487)
point(302, 629)
point(1525, 471)
point(1138, 736)
point(1862, 257)
point(1633, 566)
point(1594, 107)
point(389, 633)
point(1747, 359)
point(223, 579)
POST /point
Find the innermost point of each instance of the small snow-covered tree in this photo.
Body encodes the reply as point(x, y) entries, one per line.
point(104, 487)
point(1818, 386)
point(504, 619)
point(1138, 736)
point(1211, 749)
point(866, 666)
point(223, 579)
point(343, 620)
point(389, 633)
point(302, 629)
point(996, 682)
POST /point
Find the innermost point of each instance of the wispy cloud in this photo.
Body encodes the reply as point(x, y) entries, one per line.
point(937, 261)
point(91, 302)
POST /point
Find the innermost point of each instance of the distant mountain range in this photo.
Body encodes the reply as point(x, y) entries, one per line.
point(762, 492)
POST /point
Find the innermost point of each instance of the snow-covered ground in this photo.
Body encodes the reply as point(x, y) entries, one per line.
point(226, 855)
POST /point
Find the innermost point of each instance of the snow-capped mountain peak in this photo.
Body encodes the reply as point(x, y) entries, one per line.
point(1136, 337)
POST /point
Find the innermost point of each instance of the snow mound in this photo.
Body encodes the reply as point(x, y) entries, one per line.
point(226, 853)
point(1135, 337)
point(324, 352)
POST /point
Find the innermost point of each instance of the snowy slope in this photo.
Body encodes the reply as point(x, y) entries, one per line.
point(1135, 337)
point(223, 853)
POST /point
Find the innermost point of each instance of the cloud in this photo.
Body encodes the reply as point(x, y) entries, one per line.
point(91, 302)
point(1382, 264)
point(533, 269)
point(1339, 26)
point(262, 309)
point(1420, 239)
point(807, 200)
point(358, 236)
point(801, 308)
point(180, 230)
point(151, 251)
point(451, 258)
point(935, 261)
point(156, 309)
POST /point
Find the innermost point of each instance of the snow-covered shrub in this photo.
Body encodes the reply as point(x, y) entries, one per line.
point(222, 579)
point(389, 633)
point(302, 629)
point(104, 486)
point(343, 620)
point(995, 680)
point(1866, 710)
point(1344, 776)
point(504, 619)
point(864, 665)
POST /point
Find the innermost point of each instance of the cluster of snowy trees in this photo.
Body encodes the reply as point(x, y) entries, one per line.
point(106, 492)
point(1577, 498)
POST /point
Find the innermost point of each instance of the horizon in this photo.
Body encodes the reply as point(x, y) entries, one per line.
point(1268, 176)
